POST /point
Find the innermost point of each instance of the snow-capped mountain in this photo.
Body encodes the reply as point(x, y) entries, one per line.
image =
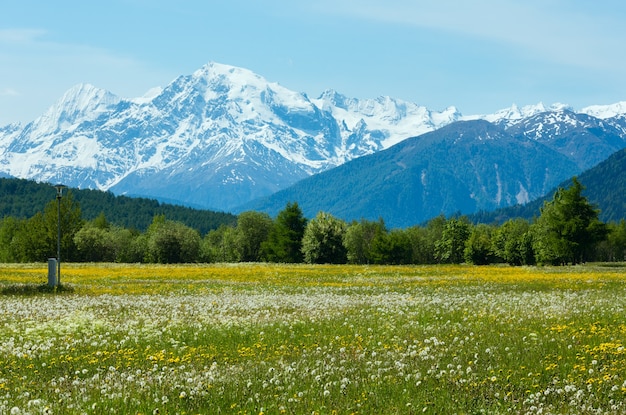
point(605, 111)
point(216, 138)
point(582, 138)
point(223, 136)
point(400, 118)
point(514, 114)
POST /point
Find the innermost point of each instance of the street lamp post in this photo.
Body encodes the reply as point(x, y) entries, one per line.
point(59, 188)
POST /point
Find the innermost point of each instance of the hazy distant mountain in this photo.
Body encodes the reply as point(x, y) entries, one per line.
point(224, 136)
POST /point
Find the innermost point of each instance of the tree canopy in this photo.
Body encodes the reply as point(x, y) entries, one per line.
point(568, 228)
point(567, 231)
point(322, 241)
point(284, 242)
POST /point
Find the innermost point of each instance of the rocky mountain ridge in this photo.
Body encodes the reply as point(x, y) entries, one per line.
point(461, 168)
point(224, 136)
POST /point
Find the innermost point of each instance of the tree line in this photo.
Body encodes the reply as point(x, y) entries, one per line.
point(21, 198)
point(567, 231)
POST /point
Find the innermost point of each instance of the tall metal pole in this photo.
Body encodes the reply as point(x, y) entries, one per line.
point(59, 188)
point(59, 238)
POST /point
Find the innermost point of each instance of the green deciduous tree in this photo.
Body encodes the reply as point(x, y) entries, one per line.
point(95, 244)
point(617, 241)
point(129, 245)
point(9, 227)
point(392, 247)
point(512, 243)
point(451, 247)
point(322, 242)
point(99, 241)
point(220, 245)
point(171, 242)
point(31, 242)
point(252, 230)
point(358, 240)
point(36, 238)
point(424, 239)
point(71, 222)
point(478, 247)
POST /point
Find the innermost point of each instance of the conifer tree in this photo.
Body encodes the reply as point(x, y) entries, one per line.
point(284, 243)
point(568, 228)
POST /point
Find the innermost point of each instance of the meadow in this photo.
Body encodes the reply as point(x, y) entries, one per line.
point(297, 339)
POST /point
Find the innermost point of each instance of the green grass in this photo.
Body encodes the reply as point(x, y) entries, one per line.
point(256, 339)
point(34, 289)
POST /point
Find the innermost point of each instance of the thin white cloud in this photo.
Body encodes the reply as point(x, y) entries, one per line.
point(571, 33)
point(20, 36)
point(35, 46)
point(34, 71)
point(9, 92)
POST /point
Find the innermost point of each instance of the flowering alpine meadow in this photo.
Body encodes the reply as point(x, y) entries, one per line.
point(296, 339)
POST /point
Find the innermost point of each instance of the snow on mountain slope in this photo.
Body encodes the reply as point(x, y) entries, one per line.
point(221, 136)
point(216, 137)
point(512, 115)
point(395, 119)
point(605, 111)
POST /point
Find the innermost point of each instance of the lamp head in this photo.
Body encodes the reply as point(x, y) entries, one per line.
point(60, 188)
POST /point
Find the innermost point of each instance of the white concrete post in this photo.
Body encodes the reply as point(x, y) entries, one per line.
point(52, 272)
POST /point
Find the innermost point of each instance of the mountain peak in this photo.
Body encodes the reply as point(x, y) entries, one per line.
point(334, 98)
point(224, 135)
point(232, 76)
point(606, 111)
point(514, 113)
point(87, 97)
point(148, 96)
point(82, 101)
point(212, 69)
point(447, 116)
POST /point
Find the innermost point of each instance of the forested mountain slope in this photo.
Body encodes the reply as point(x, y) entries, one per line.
point(605, 187)
point(461, 168)
point(22, 198)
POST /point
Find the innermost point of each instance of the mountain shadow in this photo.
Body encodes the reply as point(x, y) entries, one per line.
point(464, 167)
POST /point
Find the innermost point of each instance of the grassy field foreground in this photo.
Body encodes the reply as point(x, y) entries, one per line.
point(272, 339)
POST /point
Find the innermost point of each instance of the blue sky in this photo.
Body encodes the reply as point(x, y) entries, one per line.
point(480, 56)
